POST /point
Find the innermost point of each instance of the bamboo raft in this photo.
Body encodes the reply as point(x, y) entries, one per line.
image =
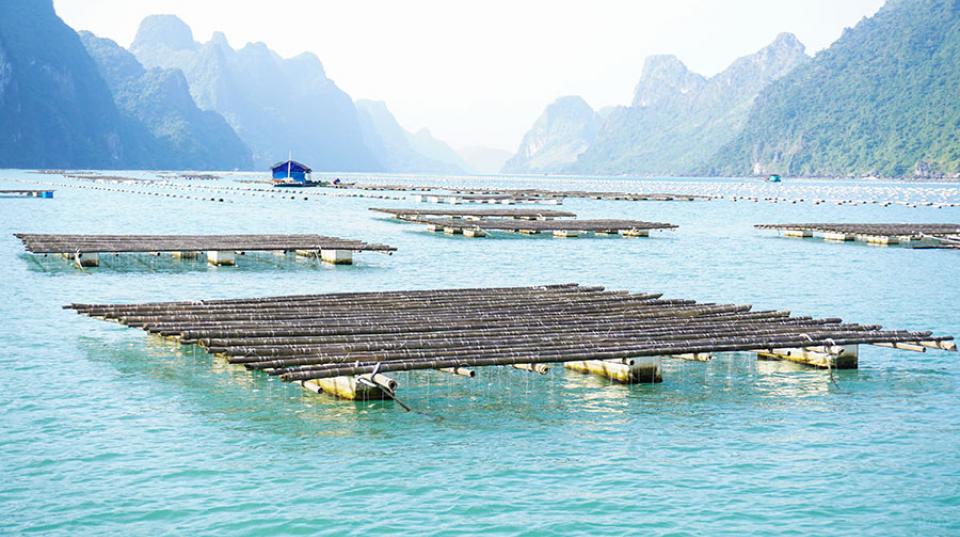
point(220, 249)
point(109, 178)
point(596, 195)
point(199, 176)
point(27, 193)
point(380, 187)
point(559, 228)
point(520, 195)
point(926, 235)
point(519, 214)
point(346, 343)
point(495, 199)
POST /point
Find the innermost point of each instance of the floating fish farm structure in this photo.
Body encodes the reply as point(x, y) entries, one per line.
point(595, 195)
point(476, 223)
point(519, 214)
point(381, 187)
point(926, 234)
point(554, 197)
point(345, 344)
point(479, 227)
point(85, 250)
point(494, 199)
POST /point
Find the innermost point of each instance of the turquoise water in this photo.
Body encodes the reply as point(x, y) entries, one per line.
point(108, 432)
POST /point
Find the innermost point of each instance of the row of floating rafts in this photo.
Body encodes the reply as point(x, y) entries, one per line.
point(846, 195)
point(907, 196)
point(383, 187)
point(408, 214)
point(269, 193)
point(562, 194)
point(302, 179)
point(840, 202)
point(273, 192)
point(265, 193)
point(849, 200)
point(146, 193)
point(454, 199)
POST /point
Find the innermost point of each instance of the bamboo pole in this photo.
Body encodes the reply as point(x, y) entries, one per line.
point(314, 337)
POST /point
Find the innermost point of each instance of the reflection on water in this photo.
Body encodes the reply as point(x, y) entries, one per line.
point(247, 262)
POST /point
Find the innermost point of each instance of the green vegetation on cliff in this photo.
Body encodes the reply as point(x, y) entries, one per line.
point(882, 100)
point(185, 137)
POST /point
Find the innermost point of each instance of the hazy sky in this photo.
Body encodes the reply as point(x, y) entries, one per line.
point(480, 72)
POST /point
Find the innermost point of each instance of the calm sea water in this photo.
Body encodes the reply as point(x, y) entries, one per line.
point(105, 431)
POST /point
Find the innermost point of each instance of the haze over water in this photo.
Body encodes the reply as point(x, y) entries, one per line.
point(107, 431)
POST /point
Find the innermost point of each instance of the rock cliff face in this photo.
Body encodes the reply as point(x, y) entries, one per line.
point(882, 101)
point(678, 119)
point(561, 134)
point(185, 137)
point(275, 105)
point(55, 109)
point(664, 82)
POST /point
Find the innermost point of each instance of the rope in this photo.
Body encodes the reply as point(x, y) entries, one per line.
point(76, 259)
point(830, 362)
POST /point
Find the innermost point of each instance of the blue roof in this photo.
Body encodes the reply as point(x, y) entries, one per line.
point(294, 166)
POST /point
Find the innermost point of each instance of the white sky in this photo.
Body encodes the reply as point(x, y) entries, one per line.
point(480, 72)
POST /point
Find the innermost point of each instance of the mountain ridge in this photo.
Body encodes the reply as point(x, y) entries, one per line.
point(679, 119)
point(159, 99)
point(676, 121)
point(881, 101)
point(56, 108)
point(275, 105)
point(565, 129)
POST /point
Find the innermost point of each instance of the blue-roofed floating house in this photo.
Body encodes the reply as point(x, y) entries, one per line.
point(291, 173)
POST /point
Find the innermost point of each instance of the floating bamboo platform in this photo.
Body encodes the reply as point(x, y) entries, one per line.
point(519, 214)
point(494, 199)
point(927, 235)
point(220, 249)
point(26, 193)
point(596, 195)
point(359, 338)
point(519, 195)
point(199, 176)
point(109, 178)
point(559, 228)
point(380, 187)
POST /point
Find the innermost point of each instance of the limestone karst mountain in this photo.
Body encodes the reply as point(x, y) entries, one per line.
point(55, 108)
point(276, 105)
point(882, 101)
point(560, 135)
point(677, 119)
point(159, 99)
